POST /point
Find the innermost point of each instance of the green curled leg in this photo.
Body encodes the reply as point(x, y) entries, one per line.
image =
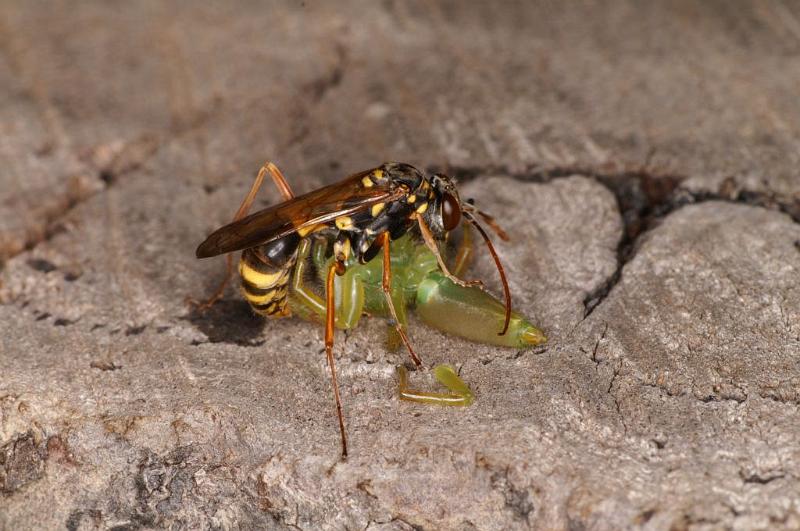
point(471, 313)
point(349, 290)
point(460, 394)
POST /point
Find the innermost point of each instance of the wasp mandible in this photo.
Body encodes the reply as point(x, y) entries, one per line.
point(364, 215)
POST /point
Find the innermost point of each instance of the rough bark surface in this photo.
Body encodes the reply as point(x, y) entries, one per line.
point(643, 157)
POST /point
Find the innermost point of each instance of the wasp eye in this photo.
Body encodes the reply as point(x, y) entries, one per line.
point(451, 212)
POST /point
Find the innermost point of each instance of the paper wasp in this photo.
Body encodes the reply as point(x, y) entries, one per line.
point(341, 229)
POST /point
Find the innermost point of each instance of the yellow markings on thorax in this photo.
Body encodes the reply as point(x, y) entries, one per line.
point(305, 231)
point(411, 199)
point(341, 249)
point(369, 180)
point(344, 222)
point(422, 208)
point(257, 278)
point(377, 209)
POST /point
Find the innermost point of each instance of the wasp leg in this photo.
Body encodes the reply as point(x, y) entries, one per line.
point(393, 339)
point(308, 305)
point(387, 293)
point(329, 328)
point(460, 394)
point(429, 240)
point(244, 208)
point(471, 313)
point(278, 179)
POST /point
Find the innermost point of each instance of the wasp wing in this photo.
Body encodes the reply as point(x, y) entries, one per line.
point(314, 208)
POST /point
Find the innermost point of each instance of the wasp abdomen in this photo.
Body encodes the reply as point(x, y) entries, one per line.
point(266, 271)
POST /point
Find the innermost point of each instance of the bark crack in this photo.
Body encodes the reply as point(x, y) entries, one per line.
point(644, 197)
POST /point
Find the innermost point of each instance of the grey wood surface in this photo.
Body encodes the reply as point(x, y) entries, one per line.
point(644, 157)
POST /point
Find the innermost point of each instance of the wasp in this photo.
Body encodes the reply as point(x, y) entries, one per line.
point(356, 233)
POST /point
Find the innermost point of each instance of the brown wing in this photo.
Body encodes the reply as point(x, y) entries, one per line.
point(320, 206)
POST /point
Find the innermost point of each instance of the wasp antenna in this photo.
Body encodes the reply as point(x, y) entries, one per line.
point(503, 235)
point(496, 228)
point(503, 280)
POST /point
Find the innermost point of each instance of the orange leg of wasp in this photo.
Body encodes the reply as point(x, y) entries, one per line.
point(387, 292)
point(330, 318)
point(427, 237)
point(278, 179)
point(244, 208)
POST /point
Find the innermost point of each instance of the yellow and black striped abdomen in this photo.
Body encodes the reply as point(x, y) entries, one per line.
point(265, 284)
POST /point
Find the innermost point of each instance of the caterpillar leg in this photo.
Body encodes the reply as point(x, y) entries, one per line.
point(460, 394)
point(464, 251)
point(306, 304)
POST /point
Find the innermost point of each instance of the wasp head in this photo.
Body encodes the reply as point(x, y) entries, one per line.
point(445, 212)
